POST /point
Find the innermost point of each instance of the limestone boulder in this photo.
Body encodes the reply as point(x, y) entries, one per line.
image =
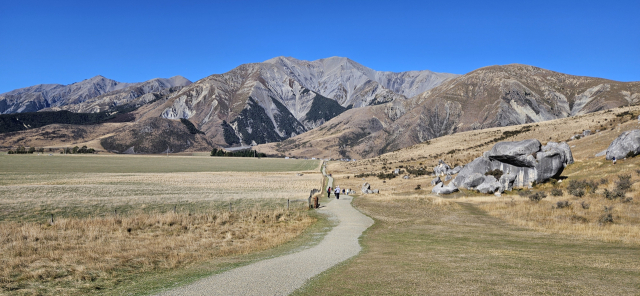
point(441, 169)
point(473, 181)
point(515, 153)
point(436, 181)
point(506, 181)
point(628, 141)
point(441, 189)
point(490, 185)
point(479, 165)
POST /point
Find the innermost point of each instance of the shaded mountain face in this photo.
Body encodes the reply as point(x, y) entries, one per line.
point(488, 97)
point(88, 96)
point(284, 97)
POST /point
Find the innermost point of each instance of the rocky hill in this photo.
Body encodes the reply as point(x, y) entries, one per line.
point(88, 96)
point(284, 97)
point(493, 96)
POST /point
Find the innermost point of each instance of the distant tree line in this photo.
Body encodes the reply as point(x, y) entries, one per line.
point(79, 150)
point(23, 150)
point(240, 153)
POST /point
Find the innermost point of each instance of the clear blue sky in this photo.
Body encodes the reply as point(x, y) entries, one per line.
point(130, 41)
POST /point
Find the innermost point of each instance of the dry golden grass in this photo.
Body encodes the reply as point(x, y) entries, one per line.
point(113, 229)
point(83, 255)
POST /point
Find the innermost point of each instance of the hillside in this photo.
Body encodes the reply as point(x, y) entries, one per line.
point(489, 97)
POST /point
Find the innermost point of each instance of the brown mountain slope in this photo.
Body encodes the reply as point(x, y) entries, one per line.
point(489, 97)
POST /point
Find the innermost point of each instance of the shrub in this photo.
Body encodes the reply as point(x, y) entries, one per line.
point(606, 218)
point(628, 199)
point(563, 204)
point(613, 194)
point(524, 193)
point(624, 183)
point(496, 173)
point(585, 205)
point(556, 192)
point(538, 196)
point(584, 185)
point(417, 187)
point(604, 181)
point(577, 192)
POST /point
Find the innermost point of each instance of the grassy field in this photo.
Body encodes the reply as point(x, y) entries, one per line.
point(122, 220)
point(148, 164)
point(427, 246)
point(470, 243)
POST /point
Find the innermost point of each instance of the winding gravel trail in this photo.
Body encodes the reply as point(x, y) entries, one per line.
point(283, 275)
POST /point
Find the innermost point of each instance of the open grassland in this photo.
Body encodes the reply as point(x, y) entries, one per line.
point(148, 164)
point(583, 238)
point(430, 246)
point(113, 228)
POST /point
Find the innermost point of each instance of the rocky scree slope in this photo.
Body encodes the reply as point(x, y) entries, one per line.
point(493, 96)
point(284, 97)
point(88, 96)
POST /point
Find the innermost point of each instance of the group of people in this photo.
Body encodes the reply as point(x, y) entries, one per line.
point(336, 191)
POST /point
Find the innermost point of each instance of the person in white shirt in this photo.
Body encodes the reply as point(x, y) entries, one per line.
point(337, 192)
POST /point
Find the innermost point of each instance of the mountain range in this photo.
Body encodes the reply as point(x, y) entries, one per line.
point(332, 107)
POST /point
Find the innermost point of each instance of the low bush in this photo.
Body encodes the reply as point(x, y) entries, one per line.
point(615, 194)
point(563, 204)
point(582, 185)
point(577, 192)
point(556, 192)
point(417, 187)
point(538, 196)
point(585, 205)
point(606, 218)
point(496, 173)
point(624, 183)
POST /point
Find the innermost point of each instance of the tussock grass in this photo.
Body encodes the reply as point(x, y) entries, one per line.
point(81, 255)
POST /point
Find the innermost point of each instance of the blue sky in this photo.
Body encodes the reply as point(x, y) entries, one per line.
point(130, 41)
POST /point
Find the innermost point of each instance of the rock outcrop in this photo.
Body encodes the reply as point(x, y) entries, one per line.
point(627, 142)
point(522, 163)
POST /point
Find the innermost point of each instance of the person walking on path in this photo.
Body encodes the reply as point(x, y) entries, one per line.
point(337, 192)
point(328, 192)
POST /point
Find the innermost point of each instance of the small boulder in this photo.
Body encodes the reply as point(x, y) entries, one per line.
point(406, 177)
point(436, 181)
point(365, 188)
point(628, 141)
point(376, 191)
point(441, 168)
point(447, 178)
point(479, 165)
point(441, 189)
point(586, 133)
point(396, 172)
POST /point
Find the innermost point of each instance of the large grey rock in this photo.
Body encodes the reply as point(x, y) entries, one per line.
point(436, 181)
point(628, 141)
point(441, 169)
point(523, 162)
point(472, 181)
point(455, 170)
point(396, 172)
point(479, 165)
point(441, 189)
point(506, 181)
point(586, 133)
point(515, 153)
point(490, 185)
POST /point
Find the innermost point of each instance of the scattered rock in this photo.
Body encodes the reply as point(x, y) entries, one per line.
point(299, 174)
point(396, 172)
point(586, 133)
point(441, 189)
point(406, 177)
point(628, 141)
point(376, 191)
point(441, 169)
point(436, 181)
point(365, 187)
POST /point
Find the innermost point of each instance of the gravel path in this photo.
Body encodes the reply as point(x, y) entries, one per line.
point(283, 275)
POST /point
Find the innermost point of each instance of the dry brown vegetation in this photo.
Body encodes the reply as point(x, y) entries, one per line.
point(82, 255)
point(112, 229)
point(544, 215)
